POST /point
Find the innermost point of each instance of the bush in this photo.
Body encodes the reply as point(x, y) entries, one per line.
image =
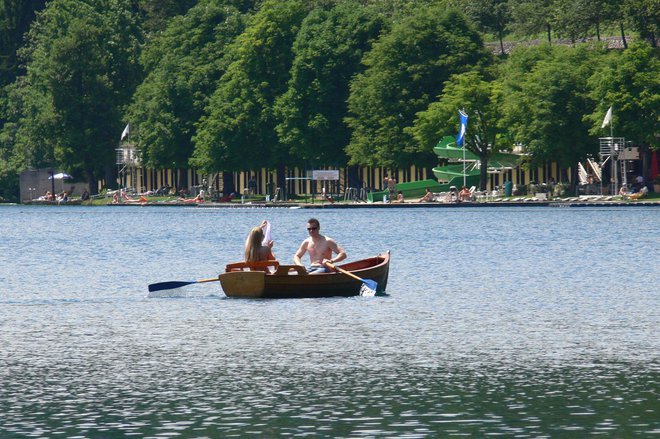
point(560, 190)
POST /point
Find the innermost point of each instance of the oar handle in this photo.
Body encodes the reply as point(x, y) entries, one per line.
point(201, 281)
point(332, 266)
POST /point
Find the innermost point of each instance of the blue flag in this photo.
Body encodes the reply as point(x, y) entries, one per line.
point(461, 132)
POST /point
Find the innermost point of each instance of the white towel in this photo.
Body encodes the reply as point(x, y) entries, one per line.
point(267, 237)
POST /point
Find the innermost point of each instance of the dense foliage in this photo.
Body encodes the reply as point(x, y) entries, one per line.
point(227, 85)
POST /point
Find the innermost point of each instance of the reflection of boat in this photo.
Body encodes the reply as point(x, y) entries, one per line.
point(244, 279)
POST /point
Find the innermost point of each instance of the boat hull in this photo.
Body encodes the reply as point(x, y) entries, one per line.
point(290, 281)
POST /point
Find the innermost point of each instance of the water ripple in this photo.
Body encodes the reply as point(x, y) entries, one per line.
point(499, 333)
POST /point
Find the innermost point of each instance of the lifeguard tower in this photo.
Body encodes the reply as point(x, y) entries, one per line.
point(128, 163)
point(619, 152)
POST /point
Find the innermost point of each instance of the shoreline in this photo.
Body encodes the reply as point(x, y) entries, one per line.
point(309, 206)
point(583, 201)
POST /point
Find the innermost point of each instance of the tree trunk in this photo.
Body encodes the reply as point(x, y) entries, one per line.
point(183, 178)
point(352, 177)
point(228, 183)
point(500, 34)
point(89, 173)
point(281, 181)
point(111, 174)
point(598, 31)
point(575, 179)
point(483, 174)
point(623, 36)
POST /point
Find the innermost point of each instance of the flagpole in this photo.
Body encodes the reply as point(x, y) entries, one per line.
point(463, 145)
point(615, 161)
point(464, 176)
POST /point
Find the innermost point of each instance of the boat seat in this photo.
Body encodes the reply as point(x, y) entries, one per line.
point(284, 270)
point(253, 266)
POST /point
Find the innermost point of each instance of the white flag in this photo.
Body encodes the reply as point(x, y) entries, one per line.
point(125, 132)
point(608, 118)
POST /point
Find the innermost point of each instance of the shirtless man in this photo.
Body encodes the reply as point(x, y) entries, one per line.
point(320, 249)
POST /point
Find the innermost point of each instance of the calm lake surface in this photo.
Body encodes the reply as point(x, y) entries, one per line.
point(514, 322)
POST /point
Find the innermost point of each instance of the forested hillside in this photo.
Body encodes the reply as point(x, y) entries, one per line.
point(230, 85)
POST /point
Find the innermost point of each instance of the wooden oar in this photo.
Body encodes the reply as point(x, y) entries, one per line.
point(369, 286)
point(177, 284)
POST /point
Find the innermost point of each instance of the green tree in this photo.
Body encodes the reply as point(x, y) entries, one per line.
point(155, 14)
point(184, 63)
point(645, 16)
point(328, 50)
point(577, 19)
point(490, 15)
point(15, 19)
point(547, 97)
point(571, 18)
point(406, 70)
point(629, 82)
point(531, 17)
point(238, 131)
point(481, 99)
point(21, 148)
point(81, 69)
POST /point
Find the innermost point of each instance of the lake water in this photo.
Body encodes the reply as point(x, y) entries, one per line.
point(515, 322)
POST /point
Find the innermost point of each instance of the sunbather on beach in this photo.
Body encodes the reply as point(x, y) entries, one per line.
point(198, 199)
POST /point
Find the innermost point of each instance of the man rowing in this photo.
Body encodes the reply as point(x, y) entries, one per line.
point(320, 249)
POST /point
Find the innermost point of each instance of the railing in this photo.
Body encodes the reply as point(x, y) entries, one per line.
point(353, 194)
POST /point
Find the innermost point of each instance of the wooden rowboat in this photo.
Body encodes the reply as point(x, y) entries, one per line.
point(270, 279)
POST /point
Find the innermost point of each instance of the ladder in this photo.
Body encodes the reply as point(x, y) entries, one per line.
point(596, 169)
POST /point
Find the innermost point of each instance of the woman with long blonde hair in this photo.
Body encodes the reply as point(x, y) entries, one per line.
point(255, 248)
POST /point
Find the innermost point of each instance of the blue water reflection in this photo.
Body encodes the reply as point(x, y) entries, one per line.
point(520, 322)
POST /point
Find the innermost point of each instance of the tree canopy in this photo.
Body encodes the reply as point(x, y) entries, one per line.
point(228, 85)
point(185, 64)
point(546, 101)
point(405, 70)
point(238, 131)
point(82, 68)
point(481, 99)
point(327, 54)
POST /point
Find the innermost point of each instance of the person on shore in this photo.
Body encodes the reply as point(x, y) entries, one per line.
point(198, 199)
point(464, 194)
point(257, 247)
point(320, 249)
point(130, 200)
point(427, 198)
point(399, 197)
point(391, 187)
point(643, 191)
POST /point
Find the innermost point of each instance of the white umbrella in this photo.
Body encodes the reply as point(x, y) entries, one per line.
point(60, 176)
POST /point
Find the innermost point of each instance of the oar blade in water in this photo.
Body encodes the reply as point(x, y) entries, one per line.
point(368, 288)
point(169, 285)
